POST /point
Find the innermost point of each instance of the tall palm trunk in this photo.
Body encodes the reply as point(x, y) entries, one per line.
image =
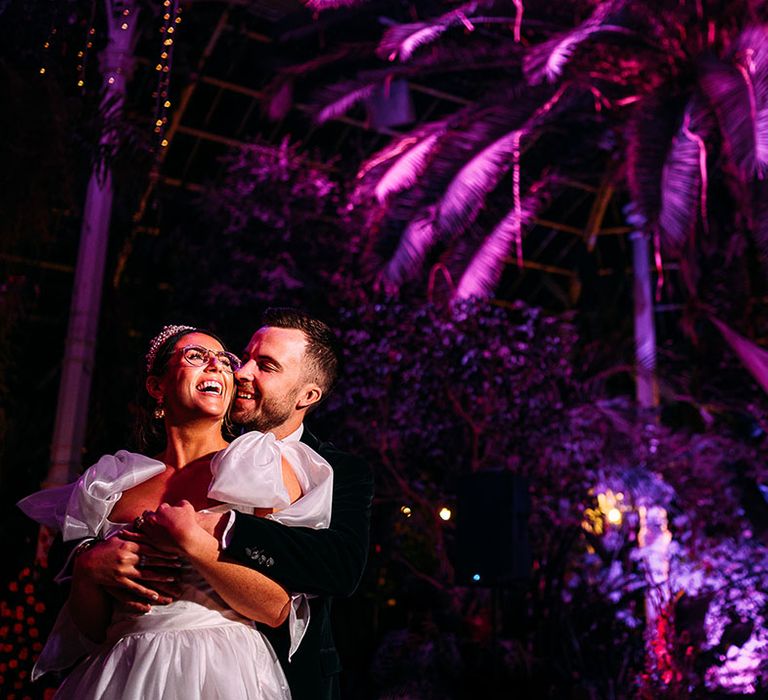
point(77, 368)
point(646, 388)
point(654, 538)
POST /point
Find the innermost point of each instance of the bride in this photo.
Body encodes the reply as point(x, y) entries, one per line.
point(204, 644)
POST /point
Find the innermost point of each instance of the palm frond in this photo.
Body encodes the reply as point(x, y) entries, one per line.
point(751, 51)
point(547, 60)
point(738, 93)
point(481, 174)
point(684, 180)
point(405, 171)
point(466, 132)
point(408, 258)
point(484, 271)
point(339, 98)
point(466, 192)
point(401, 40)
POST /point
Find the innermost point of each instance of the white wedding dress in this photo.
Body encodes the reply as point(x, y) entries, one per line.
point(195, 647)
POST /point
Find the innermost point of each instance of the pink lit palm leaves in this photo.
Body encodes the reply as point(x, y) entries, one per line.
point(669, 95)
point(718, 131)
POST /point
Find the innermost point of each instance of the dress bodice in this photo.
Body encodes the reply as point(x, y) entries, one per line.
point(245, 476)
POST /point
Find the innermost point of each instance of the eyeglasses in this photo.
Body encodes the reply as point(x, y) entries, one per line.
point(198, 356)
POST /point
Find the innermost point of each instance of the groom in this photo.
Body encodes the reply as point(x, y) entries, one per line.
point(289, 366)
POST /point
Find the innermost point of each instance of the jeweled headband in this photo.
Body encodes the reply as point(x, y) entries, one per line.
point(160, 338)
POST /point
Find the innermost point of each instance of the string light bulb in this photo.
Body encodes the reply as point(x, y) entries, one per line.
point(171, 16)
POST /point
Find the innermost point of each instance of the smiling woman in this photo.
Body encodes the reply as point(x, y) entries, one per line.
point(178, 346)
point(175, 647)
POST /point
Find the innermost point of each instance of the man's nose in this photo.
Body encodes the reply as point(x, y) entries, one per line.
point(245, 373)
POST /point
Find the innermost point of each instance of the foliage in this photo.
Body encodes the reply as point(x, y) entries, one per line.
point(664, 102)
point(267, 232)
point(429, 396)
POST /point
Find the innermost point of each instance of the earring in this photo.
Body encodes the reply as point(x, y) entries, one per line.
point(159, 412)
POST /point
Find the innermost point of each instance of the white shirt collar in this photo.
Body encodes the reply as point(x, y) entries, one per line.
point(295, 436)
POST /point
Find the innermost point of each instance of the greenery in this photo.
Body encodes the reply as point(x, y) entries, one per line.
point(634, 102)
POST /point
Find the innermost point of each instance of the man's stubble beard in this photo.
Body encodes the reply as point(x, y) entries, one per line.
point(270, 414)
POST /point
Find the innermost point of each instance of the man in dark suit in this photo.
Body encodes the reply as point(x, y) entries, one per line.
point(289, 366)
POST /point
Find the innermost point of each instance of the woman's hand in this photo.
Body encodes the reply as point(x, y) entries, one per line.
point(172, 529)
point(132, 571)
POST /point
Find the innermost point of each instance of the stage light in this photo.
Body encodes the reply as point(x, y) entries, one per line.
point(476, 577)
point(614, 516)
point(406, 511)
point(445, 513)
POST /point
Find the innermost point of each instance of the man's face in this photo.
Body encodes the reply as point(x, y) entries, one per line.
point(271, 381)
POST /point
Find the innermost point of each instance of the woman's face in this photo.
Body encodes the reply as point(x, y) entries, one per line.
point(190, 391)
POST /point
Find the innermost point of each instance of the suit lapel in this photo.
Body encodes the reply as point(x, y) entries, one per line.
point(309, 439)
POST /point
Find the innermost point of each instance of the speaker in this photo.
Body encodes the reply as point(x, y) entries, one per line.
point(492, 545)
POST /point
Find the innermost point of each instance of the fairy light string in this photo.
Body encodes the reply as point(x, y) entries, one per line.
point(123, 19)
point(171, 21)
point(47, 50)
point(84, 53)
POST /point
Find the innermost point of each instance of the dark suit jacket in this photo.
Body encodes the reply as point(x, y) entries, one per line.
point(323, 562)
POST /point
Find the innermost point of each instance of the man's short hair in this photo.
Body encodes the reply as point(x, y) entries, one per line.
point(323, 348)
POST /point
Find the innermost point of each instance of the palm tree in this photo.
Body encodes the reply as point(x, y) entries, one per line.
point(658, 107)
point(662, 106)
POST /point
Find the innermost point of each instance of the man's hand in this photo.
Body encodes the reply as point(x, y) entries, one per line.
point(172, 529)
point(117, 564)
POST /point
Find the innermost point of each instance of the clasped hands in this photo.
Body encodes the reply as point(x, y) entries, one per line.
point(140, 567)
